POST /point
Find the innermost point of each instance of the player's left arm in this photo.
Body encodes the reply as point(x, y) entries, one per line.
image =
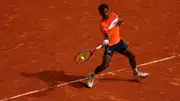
point(120, 22)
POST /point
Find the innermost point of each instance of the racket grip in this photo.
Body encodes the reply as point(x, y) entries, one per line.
point(98, 47)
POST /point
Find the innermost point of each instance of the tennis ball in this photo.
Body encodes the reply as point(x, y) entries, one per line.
point(82, 58)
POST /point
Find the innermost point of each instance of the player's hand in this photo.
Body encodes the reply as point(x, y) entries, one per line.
point(105, 42)
point(120, 22)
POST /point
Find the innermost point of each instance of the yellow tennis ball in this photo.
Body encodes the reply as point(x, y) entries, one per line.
point(82, 58)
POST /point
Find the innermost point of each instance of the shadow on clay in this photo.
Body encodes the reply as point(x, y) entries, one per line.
point(120, 79)
point(54, 78)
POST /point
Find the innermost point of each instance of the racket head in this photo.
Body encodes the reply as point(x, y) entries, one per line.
point(85, 54)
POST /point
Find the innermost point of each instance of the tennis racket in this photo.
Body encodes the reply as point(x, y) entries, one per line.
point(84, 55)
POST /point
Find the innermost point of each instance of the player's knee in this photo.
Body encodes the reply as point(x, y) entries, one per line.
point(105, 65)
point(133, 56)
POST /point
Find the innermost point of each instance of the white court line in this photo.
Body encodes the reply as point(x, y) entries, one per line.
point(63, 84)
point(143, 64)
point(155, 61)
point(111, 73)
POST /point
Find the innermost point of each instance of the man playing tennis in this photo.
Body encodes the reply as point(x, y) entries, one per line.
point(109, 26)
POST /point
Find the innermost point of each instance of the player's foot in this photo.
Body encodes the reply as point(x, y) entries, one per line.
point(90, 80)
point(141, 74)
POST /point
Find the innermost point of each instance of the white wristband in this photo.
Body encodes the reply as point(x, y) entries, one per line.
point(105, 42)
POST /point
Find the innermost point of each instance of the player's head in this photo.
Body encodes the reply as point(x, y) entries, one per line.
point(104, 10)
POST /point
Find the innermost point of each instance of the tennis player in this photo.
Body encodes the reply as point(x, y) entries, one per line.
point(113, 42)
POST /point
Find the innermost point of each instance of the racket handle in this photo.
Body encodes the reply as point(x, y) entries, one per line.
point(98, 47)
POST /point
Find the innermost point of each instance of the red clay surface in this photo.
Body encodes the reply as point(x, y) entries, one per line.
point(39, 39)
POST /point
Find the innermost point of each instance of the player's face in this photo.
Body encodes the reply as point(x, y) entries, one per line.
point(105, 13)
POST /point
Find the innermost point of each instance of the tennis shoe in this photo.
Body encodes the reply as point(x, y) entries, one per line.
point(141, 74)
point(90, 80)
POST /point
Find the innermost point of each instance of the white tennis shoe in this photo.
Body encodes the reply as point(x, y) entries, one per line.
point(141, 74)
point(90, 80)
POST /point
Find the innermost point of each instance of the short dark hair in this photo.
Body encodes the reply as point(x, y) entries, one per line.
point(102, 7)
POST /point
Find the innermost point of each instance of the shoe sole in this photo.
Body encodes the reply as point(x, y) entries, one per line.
point(88, 86)
point(141, 76)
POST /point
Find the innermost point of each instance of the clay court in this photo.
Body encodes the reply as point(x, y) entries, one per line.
point(39, 39)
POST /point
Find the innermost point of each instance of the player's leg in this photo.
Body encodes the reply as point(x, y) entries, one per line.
point(128, 53)
point(105, 63)
point(123, 48)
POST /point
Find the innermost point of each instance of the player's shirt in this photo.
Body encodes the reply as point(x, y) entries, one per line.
point(111, 27)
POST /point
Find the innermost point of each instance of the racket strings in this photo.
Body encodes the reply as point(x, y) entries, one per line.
point(85, 56)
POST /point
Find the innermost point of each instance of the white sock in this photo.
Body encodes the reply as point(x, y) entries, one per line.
point(136, 70)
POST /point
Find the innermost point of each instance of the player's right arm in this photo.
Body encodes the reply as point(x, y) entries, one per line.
point(105, 32)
